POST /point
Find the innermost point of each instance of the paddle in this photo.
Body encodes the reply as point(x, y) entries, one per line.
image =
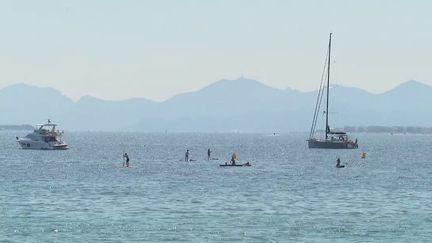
point(124, 159)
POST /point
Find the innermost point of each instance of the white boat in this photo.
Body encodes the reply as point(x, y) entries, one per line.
point(45, 137)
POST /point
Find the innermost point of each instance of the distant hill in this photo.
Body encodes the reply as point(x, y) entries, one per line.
point(90, 113)
point(24, 104)
point(16, 127)
point(227, 105)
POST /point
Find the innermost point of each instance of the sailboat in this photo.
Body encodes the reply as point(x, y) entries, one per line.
point(332, 139)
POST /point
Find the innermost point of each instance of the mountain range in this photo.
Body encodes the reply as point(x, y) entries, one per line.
point(241, 105)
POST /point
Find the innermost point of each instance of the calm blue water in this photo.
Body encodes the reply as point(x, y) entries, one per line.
point(290, 193)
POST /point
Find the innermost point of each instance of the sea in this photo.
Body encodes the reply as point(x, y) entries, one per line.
point(289, 194)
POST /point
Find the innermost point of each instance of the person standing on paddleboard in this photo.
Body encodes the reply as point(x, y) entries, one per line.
point(187, 155)
point(208, 154)
point(126, 157)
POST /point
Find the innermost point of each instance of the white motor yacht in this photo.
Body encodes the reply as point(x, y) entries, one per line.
point(45, 136)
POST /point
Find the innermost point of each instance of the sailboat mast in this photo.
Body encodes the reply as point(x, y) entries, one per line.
point(327, 128)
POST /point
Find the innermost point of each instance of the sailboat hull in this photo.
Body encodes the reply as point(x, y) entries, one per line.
point(330, 144)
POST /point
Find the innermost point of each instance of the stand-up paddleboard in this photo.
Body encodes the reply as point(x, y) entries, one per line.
point(190, 160)
point(236, 165)
point(120, 166)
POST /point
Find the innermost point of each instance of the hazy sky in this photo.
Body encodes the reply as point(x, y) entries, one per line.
point(156, 49)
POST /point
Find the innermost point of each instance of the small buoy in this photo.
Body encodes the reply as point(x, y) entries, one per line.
point(363, 155)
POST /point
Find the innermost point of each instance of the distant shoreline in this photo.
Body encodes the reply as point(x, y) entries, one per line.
point(349, 129)
point(388, 129)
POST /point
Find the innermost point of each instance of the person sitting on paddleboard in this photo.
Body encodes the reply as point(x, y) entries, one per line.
point(338, 165)
point(187, 155)
point(233, 158)
point(126, 156)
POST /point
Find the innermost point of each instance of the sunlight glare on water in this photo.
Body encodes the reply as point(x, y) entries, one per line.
point(290, 193)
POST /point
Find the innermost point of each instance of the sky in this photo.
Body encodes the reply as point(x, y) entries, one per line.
point(156, 49)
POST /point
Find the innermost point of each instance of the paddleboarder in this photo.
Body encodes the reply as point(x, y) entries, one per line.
point(338, 165)
point(233, 158)
point(187, 155)
point(126, 157)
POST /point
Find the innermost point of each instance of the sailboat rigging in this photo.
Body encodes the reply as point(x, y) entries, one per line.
point(332, 139)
